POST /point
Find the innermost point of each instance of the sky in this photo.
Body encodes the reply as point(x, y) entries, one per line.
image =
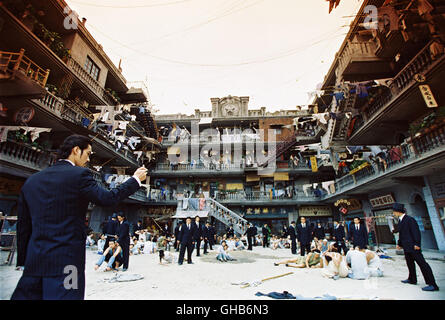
point(188, 51)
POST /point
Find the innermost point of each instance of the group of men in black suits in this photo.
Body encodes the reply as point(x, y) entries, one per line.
point(302, 233)
point(189, 234)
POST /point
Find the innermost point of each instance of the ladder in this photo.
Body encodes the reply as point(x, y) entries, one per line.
point(8, 240)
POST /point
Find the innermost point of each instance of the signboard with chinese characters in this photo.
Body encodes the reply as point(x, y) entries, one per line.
point(428, 96)
point(314, 164)
point(314, 211)
point(385, 200)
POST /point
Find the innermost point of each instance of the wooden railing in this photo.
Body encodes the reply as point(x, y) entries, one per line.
point(12, 62)
point(356, 50)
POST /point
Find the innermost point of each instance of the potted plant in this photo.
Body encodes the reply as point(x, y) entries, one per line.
point(51, 88)
point(47, 36)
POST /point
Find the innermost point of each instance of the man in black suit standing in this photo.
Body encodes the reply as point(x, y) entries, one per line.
point(212, 236)
point(198, 234)
point(304, 236)
point(206, 236)
point(339, 237)
point(358, 234)
point(111, 230)
point(186, 240)
point(51, 223)
point(250, 233)
point(319, 231)
point(265, 232)
point(293, 237)
point(177, 231)
point(410, 241)
point(137, 227)
point(123, 239)
point(230, 232)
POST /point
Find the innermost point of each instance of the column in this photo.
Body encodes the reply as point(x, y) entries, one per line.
point(434, 216)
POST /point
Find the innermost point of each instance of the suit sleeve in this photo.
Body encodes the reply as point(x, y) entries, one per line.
point(415, 231)
point(298, 234)
point(92, 191)
point(24, 230)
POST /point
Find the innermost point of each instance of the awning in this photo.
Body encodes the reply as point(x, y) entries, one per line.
point(191, 214)
point(281, 176)
point(234, 186)
point(205, 120)
point(252, 177)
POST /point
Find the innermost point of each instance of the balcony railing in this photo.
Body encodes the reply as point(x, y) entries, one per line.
point(397, 157)
point(24, 155)
point(12, 62)
point(355, 50)
point(92, 83)
point(420, 64)
point(262, 196)
point(197, 167)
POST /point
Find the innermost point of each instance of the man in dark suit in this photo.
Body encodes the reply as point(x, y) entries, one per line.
point(51, 216)
point(137, 227)
point(230, 232)
point(177, 231)
point(186, 240)
point(123, 239)
point(206, 236)
point(319, 232)
point(212, 236)
point(293, 237)
point(250, 233)
point(410, 241)
point(265, 232)
point(358, 234)
point(339, 237)
point(111, 230)
point(304, 236)
point(198, 234)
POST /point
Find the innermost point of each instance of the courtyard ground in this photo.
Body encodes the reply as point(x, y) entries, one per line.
point(209, 279)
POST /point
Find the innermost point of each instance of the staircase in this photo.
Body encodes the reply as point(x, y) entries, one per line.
point(291, 141)
point(226, 216)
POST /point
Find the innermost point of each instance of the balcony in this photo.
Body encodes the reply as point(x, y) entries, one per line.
point(20, 76)
point(262, 197)
point(420, 156)
point(23, 160)
point(89, 81)
point(402, 103)
point(358, 62)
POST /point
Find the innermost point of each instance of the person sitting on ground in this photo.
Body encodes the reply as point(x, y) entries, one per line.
point(335, 264)
point(324, 246)
point(113, 255)
point(223, 253)
point(239, 245)
point(101, 244)
point(135, 248)
point(90, 241)
point(359, 265)
point(374, 264)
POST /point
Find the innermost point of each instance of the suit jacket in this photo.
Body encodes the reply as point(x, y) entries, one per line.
point(304, 235)
point(319, 233)
point(339, 233)
point(111, 227)
point(187, 236)
point(177, 231)
point(198, 230)
point(265, 232)
point(205, 232)
point(123, 233)
point(251, 231)
point(360, 237)
point(51, 217)
point(409, 234)
point(230, 232)
point(292, 232)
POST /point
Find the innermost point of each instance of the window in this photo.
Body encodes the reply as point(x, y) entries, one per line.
point(92, 68)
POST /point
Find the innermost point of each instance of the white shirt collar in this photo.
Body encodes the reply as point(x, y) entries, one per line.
point(401, 217)
point(68, 161)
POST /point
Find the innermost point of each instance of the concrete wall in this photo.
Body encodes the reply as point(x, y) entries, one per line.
point(80, 50)
point(406, 194)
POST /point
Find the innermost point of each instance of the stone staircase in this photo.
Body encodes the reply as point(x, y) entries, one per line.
point(227, 216)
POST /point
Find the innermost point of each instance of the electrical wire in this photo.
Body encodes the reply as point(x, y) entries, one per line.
point(130, 7)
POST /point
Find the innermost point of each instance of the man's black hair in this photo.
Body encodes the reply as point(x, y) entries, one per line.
point(69, 143)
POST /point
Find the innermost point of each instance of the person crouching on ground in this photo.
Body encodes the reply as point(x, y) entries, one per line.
point(223, 254)
point(113, 255)
point(311, 260)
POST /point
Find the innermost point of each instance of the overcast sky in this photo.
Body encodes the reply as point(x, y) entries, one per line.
point(274, 51)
